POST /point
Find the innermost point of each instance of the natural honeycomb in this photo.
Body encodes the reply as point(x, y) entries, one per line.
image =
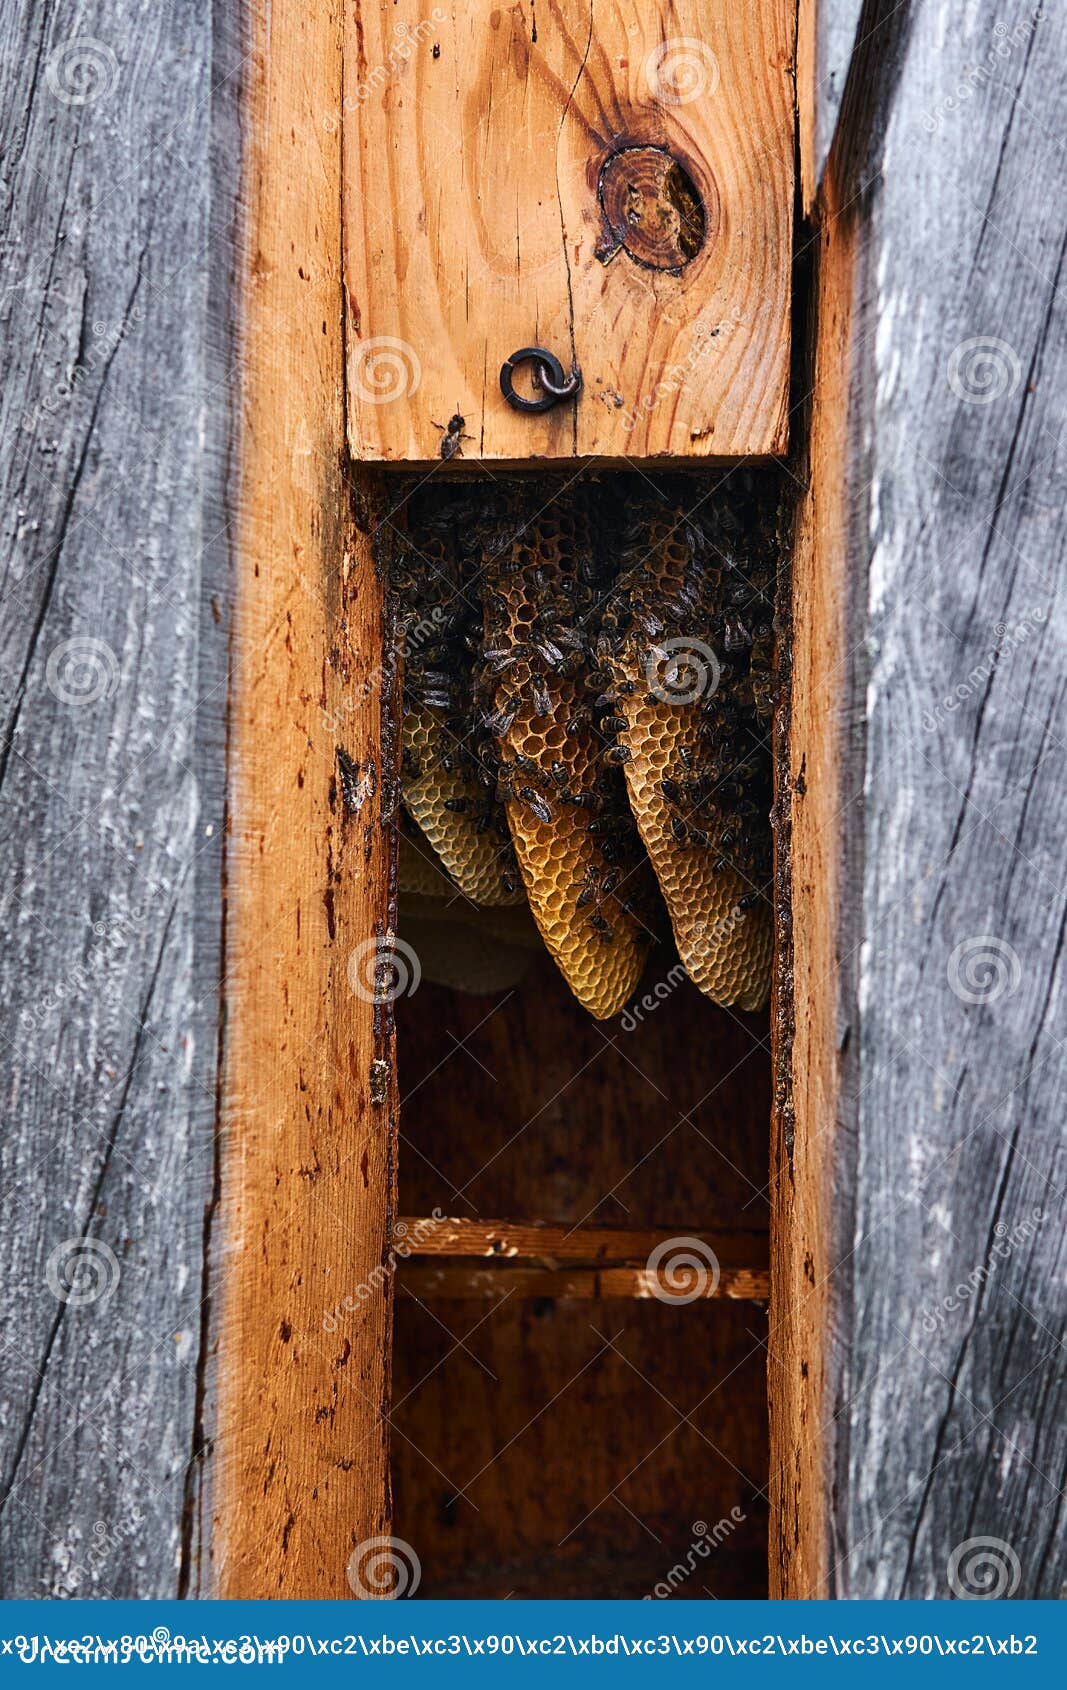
point(444, 797)
point(686, 637)
point(419, 869)
point(446, 789)
point(426, 888)
point(465, 958)
point(568, 660)
point(564, 799)
point(457, 943)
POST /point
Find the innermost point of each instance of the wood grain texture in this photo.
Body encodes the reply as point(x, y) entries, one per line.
point(930, 1096)
point(816, 788)
point(538, 1259)
point(113, 639)
point(307, 1162)
point(524, 1105)
point(826, 37)
point(456, 1280)
point(475, 142)
point(543, 1242)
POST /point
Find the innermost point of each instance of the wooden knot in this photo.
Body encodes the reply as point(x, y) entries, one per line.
point(651, 209)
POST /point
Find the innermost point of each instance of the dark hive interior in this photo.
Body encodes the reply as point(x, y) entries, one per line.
point(579, 815)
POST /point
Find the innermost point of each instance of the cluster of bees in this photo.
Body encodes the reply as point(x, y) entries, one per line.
point(588, 685)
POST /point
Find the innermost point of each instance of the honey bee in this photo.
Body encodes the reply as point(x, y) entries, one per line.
point(452, 436)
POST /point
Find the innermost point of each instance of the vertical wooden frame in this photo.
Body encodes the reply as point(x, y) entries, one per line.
point(811, 1019)
point(308, 1165)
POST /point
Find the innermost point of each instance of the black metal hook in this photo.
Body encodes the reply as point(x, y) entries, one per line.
point(555, 383)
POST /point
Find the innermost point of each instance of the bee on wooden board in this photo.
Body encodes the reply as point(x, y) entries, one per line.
point(452, 436)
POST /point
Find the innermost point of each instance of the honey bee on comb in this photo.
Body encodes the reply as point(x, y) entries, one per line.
point(447, 787)
point(588, 686)
point(576, 846)
point(687, 638)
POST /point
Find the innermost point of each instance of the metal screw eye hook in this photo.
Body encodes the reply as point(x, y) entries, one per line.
point(555, 383)
point(566, 389)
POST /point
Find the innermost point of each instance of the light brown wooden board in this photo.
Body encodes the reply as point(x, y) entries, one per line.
point(813, 791)
point(474, 141)
point(538, 1259)
point(548, 1243)
point(458, 1279)
point(307, 1160)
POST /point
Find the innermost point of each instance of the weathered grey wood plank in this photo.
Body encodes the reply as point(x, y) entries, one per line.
point(112, 681)
point(827, 39)
point(947, 1298)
